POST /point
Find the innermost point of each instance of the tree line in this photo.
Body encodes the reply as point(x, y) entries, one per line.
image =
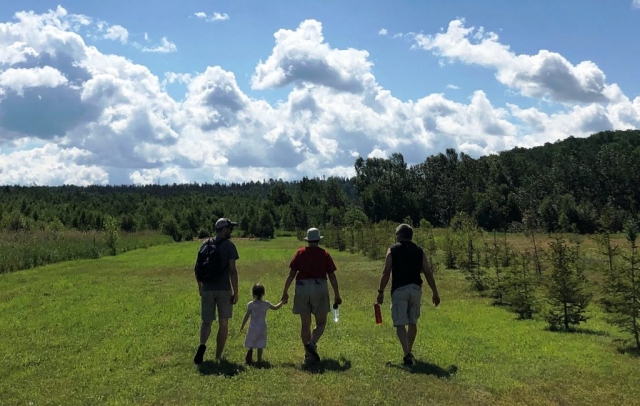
point(575, 185)
point(183, 211)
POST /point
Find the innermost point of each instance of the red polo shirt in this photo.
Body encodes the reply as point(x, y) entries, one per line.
point(312, 262)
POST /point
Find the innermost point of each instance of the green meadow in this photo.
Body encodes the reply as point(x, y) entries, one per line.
point(122, 330)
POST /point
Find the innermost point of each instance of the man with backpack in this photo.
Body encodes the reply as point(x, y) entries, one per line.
point(217, 279)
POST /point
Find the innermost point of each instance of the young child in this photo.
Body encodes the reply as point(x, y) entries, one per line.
point(257, 332)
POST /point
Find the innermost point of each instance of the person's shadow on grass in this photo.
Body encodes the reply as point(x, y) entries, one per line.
point(261, 365)
point(629, 350)
point(326, 364)
point(222, 367)
point(427, 368)
point(579, 330)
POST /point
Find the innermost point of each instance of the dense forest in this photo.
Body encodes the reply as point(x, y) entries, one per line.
point(578, 184)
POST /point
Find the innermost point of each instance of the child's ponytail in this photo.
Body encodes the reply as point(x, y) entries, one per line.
point(258, 291)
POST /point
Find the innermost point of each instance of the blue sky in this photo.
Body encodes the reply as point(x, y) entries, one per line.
point(372, 78)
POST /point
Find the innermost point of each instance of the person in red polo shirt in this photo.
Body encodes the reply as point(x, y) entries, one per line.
point(311, 266)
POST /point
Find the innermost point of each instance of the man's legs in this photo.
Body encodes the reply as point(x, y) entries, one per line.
point(413, 315)
point(321, 323)
point(208, 311)
point(320, 307)
point(205, 332)
point(221, 339)
point(399, 316)
point(401, 331)
point(412, 332)
point(309, 339)
point(305, 329)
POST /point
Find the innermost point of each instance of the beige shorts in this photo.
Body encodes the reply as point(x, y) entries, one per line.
point(212, 300)
point(405, 305)
point(311, 296)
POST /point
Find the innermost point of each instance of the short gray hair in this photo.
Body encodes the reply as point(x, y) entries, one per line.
point(404, 231)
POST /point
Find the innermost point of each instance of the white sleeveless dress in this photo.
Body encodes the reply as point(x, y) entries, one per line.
point(257, 331)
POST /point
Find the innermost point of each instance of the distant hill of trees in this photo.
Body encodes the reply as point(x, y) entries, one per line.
point(578, 184)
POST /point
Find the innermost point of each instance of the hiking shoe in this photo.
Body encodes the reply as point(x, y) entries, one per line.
point(313, 350)
point(249, 358)
point(200, 354)
point(408, 359)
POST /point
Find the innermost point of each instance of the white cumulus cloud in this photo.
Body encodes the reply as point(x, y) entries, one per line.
point(50, 165)
point(165, 46)
point(117, 33)
point(544, 75)
point(303, 56)
point(383, 31)
point(20, 79)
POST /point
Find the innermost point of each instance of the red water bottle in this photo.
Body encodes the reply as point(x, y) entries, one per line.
point(376, 307)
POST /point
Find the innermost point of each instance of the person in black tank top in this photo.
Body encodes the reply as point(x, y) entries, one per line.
point(404, 263)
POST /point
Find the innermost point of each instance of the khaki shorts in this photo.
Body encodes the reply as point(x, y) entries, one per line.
point(405, 305)
point(216, 299)
point(311, 296)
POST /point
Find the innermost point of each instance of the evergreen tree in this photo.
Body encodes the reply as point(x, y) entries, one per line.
point(566, 287)
point(520, 287)
point(112, 236)
point(622, 289)
point(429, 242)
point(612, 277)
point(265, 226)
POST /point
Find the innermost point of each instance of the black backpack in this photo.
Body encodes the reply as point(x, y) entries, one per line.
point(208, 268)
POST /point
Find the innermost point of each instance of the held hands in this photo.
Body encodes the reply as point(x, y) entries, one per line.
point(285, 298)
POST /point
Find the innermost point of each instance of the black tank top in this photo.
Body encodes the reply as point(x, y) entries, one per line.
point(406, 260)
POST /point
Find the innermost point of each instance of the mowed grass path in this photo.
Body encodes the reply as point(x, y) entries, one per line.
point(123, 330)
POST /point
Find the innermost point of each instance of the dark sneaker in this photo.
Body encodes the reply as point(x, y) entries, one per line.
point(313, 350)
point(408, 359)
point(249, 358)
point(200, 354)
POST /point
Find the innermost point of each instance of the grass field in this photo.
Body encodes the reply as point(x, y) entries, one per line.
point(28, 249)
point(123, 330)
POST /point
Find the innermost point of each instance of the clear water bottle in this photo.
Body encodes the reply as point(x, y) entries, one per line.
point(336, 313)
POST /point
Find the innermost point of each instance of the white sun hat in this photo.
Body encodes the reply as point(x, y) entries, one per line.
point(313, 234)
